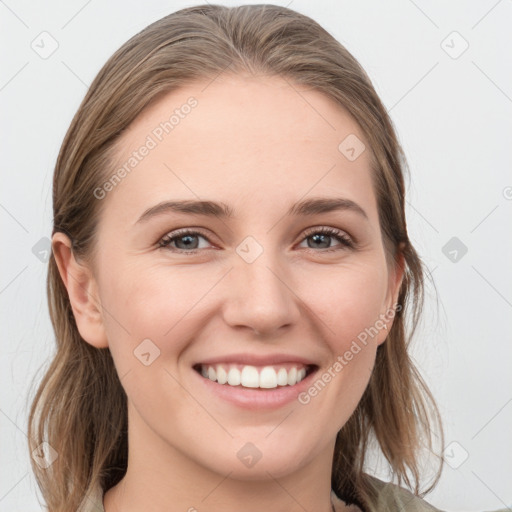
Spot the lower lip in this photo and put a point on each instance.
(257, 398)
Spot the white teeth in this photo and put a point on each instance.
(249, 376)
(292, 376)
(282, 377)
(222, 376)
(268, 378)
(233, 377)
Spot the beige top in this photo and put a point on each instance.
(391, 498)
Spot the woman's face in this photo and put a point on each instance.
(262, 287)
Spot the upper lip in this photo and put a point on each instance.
(257, 360)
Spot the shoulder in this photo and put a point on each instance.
(93, 500)
(392, 497)
(392, 494)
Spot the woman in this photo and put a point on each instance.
(210, 355)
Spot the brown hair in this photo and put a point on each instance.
(80, 406)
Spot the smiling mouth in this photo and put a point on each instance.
(255, 377)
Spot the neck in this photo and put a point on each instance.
(160, 477)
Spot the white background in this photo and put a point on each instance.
(453, 117)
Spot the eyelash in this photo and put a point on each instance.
(345, 241)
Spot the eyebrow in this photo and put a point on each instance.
(304, 208)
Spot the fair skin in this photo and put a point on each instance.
(258, 146)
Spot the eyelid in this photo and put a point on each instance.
(176, 233)
(345, 240)
(333, 231)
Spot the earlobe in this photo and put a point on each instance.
(82, 292)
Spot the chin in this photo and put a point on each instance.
(262, 458)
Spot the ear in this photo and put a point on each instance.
(396, 275)
(82, 291)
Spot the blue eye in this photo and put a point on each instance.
(187, 241)
(320, 235)
(186, 238)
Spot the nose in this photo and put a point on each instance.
(260, 296)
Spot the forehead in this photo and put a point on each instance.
(243, 140)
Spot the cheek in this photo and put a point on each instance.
(348, 300)
(157, 303)
(348, 305)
